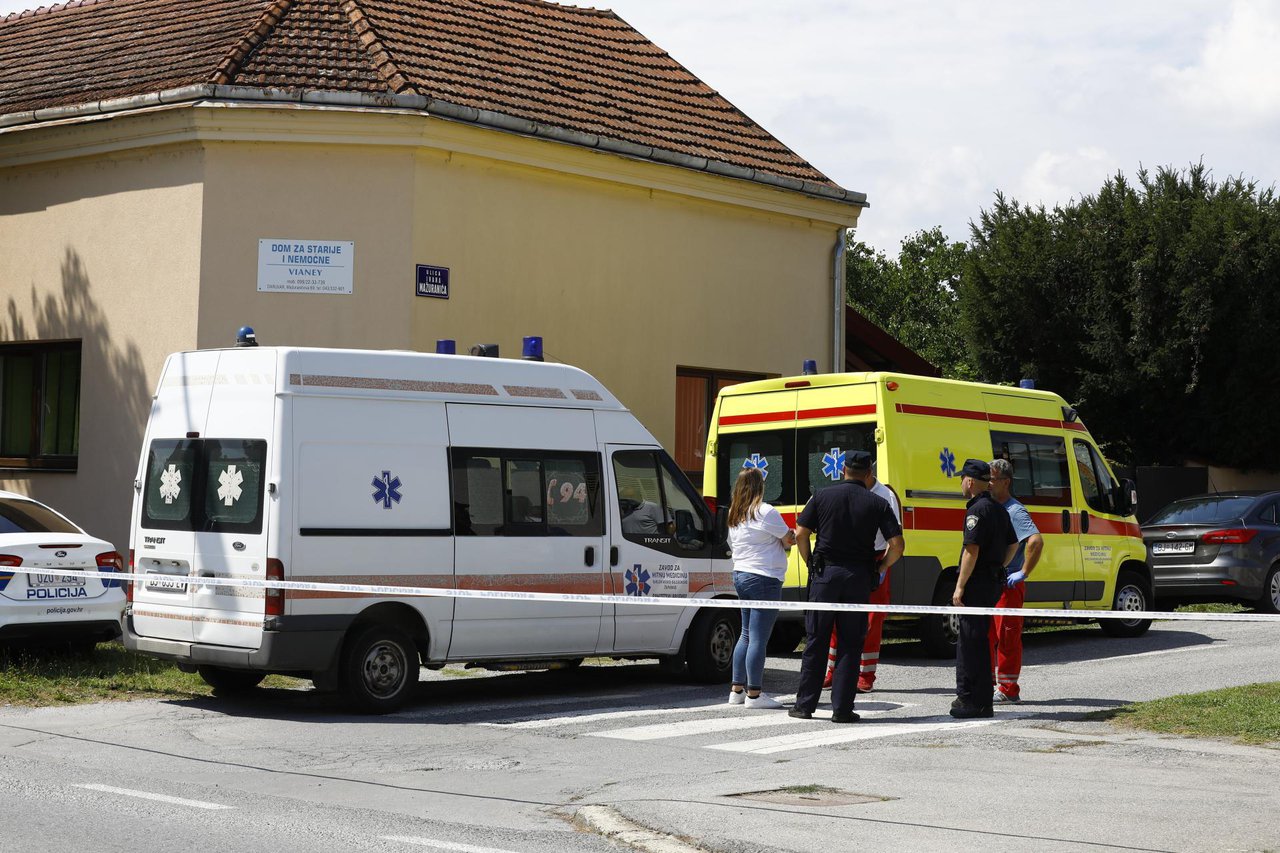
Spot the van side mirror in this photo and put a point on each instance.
(1126, 497)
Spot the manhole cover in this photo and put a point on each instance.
(810, 795)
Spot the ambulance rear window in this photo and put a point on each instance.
(771, 451)
(824, 450)
(213, 485)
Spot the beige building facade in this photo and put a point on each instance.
(138, 236)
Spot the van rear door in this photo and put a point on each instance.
(164, 545)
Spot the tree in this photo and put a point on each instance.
(1151, 305)
(914, 298)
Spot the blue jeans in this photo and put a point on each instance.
(757, 625)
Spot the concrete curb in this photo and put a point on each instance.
(607, 822)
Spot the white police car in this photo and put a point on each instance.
(49, 604)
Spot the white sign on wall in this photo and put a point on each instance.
(305, 266)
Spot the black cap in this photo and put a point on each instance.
(977, 469)
(857, 460)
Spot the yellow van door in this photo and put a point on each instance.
(1101, 529)
(1027, 432)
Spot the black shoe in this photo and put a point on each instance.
(968, 712)
(799, 714)
(851, 717)
(957, 703)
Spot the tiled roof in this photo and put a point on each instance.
(582, 70)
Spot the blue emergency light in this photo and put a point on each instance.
(532, 348)
(245, 337)
(1029, 384)
(810, 367)
(446, 346)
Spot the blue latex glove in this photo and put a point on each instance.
(1015, 579)
(882, 574)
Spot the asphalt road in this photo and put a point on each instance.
(500, 763)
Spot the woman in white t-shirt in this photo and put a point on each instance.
(759, 539)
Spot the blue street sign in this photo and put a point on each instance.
(433, 281)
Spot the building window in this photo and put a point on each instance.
(696, 391)
(40, 405)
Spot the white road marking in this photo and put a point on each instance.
(1199, 648)
(487, 708)
(844, 734)
(548, 721)
(737, 719)
(443, 845)
(163, 798)
(697, 727)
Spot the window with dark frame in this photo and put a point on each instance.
(696, 391)
(507, 492)
(1041, 474)
(40, 405)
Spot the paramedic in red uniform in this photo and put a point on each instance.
(1006, 631)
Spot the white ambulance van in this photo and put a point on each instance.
(407, 469)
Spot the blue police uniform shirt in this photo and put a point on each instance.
(1023, 527)
(986, 524)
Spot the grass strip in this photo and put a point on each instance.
(38, 677)
(1248, 714)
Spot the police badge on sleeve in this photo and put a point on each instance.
(971, 522)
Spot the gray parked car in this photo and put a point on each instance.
(1221, 547)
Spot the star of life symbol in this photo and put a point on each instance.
(948, 460)
(229, 492)
(755, 460)
(833, 464)
(637, 580)
(386, 489)
(169, 480)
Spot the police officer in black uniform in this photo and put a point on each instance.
(989, 545)
(842, 568)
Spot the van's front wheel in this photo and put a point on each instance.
(379, 669)
(1133, 595)
(709, 645)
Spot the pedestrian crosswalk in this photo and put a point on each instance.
(699, 725)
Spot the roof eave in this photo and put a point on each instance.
(432, 107)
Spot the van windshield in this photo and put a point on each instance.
(212, 485)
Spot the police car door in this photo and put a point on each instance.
(660, 535)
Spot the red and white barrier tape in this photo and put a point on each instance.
(388, 591)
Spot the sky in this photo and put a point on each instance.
(931, 107)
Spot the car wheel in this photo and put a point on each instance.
(225, 680)
(709, 645)
(1270, 601)
(379, 669)
(940, 633)
(1132, 594)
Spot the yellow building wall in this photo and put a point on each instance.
(627, 269)
(140, 236)
(103, 249)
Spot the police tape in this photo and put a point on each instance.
(390, 591)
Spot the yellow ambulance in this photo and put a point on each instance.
(920, 430)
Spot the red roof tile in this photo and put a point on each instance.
(582, 70)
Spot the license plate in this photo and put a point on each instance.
(167, 582)
(1172, 547)
(55, 580)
